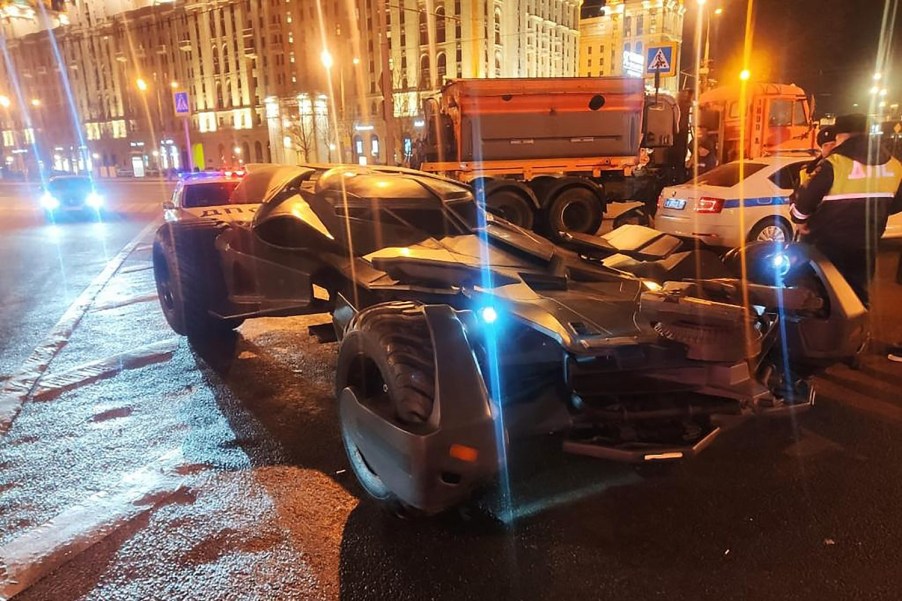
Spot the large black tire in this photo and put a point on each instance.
(575, 209)
(392, 338)
(512, 206)
(189, 279)
(386, 356)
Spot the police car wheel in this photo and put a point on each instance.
(771, 230)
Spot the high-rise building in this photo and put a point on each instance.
(282, 80)
(615, 36)
(430, 41)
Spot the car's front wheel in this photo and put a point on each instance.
(386, 357)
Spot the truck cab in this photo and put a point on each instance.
(778, 118)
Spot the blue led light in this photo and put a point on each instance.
(781, 263)
(488, 314)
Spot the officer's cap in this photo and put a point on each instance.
(826, 135)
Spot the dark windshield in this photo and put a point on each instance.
(80, 185)
(208, 195)
(727, 176)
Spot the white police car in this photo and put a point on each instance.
(709, 207)
(207, 195)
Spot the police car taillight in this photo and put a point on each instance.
(707, 204)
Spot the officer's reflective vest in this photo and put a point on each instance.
(854, 211)
(854, 180)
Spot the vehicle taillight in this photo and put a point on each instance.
(706, 204)
(660, 200)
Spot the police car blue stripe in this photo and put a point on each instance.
(757, 202)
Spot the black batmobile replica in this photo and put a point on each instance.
(459, 331)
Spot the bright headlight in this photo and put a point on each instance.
(94, 200)
(49, 202)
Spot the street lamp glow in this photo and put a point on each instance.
(718, 11)
(356, 61)
(237, 150)
(326, 57)
(883, 92)
(745, 74)
(142, 85)
(36, 102)
(874, 90)
(701, 2)
(174, 84)
(4, 102)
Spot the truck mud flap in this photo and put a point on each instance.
(643, 454)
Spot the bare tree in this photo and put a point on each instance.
(302, 132)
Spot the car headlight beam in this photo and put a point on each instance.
(94, 200)
(49, 202)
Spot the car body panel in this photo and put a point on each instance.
(754, 199)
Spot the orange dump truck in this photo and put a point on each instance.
(550, 152)
(777, 119)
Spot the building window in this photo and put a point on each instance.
(440, 37)
(639, 24)
(425, 78)
(497, 26)
(442, 67)
(424, 29)
(627, 26)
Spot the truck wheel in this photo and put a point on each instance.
(189, 279)
(510, 206)
(575, 209)
(771, 229)
(386, 355)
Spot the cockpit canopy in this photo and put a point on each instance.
(356, 209)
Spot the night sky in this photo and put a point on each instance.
(829, 47)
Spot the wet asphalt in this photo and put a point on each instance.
(266, 509)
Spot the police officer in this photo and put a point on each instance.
(842, 209)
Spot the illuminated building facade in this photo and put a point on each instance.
(623, 30)
(268, 80)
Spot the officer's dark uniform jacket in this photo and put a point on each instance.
(846, 203)
(850, 195)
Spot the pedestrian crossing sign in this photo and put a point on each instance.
(182, 107)
(661, 60)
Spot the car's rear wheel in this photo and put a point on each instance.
(772, 229)
(189, 279)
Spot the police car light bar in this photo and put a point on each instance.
(201, 175)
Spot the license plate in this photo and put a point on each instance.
(675, 203)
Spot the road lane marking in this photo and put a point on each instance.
(32, 556)
(53, 385)
(142, 298)
(16, 390)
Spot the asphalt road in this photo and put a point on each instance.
(179, 472)
(44, 267)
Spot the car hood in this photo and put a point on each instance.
(584, 313)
